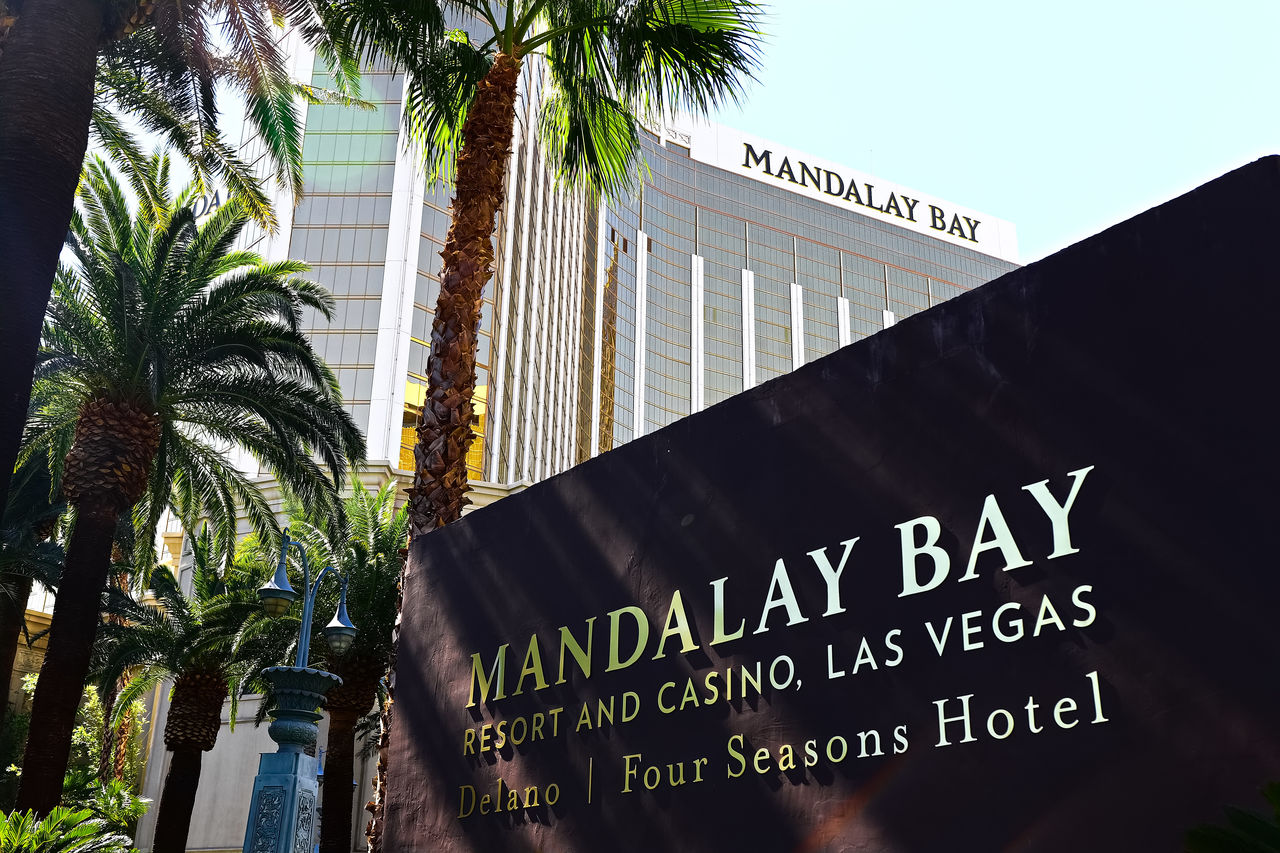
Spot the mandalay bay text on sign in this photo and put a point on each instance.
(615, 641)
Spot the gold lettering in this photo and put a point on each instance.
(497, 673)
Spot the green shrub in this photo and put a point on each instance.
(62, 831)
(1245, 832)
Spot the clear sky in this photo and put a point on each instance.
(1063, 118)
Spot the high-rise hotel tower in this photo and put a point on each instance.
(737, 260)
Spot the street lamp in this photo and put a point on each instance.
(282, 814)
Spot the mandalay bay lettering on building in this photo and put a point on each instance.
(886, 201)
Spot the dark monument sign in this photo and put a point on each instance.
(1003, 577)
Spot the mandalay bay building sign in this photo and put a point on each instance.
(983, 581)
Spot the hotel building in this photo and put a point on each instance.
(736, 260)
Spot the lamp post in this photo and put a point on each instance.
(282, 812)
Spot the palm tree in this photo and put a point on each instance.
(49, 52)
(27, 553)
(609, 64)
(164, 348)
(190, 639)
(366, 544)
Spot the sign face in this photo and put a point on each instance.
(999, 577)
(880, 200)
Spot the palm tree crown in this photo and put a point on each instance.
(191, 639)
(162, 316)
(164, 349)
(609, 65)
(367, 545)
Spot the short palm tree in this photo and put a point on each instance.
(366, 544)
(609, 64)
(190, 639)
(163, 349)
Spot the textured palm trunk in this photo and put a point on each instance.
(177, 801)
(46, 77)
(66, 661)
(439, 490)
(104, 474)
(345, 704)
(106, 757)
(444, 430)
(120, 761)
(195, 718)
(14, 592)
(111, 738)
(339, 776)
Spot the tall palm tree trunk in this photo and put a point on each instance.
(66, 661)
(104, 474)
(14, 592)
(177, 801)
(46, 76)
(108, 735)
(439, 490)
(195, 718)
(111, 738)
(339, 778)
(444, 431)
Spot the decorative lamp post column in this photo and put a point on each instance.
(282, 813)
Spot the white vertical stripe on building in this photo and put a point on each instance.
(596, 357)
(553, 378)
(395, 309)
(842, 321)
(748, 329)
(548, 350)
(577, 307)
(797, 326)
(889, 319)
(641, 337)
(498, 357)
(697, 344)
(539, 277)
(522, 300)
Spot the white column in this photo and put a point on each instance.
(511, 403)
(748, 329)
(889, 319)
(797, 326)
(843, 323)
(538, 278)
(395, 310)
(498, 361)
(642, 317)
(598, 353)
(697, 342)
(578, 275)
(548, 349)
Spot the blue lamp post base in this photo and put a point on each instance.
(282, 813)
